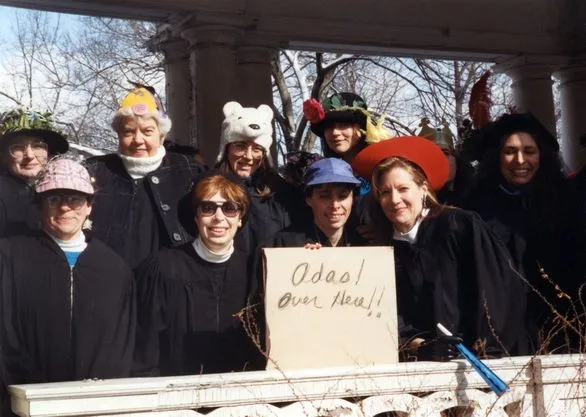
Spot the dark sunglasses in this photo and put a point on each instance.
(229, 208)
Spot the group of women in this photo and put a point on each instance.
(159, 284)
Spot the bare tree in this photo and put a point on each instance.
(78, 74)
(297, 77)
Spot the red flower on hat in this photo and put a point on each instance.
(313, 111)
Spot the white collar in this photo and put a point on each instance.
(210, 256)
(77, 244)
(411, 235)
(138, 168)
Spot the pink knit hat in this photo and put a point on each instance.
(64, 174)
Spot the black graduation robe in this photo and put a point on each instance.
(187, 309)
(60, 323)
(458, 273)
(533, 246)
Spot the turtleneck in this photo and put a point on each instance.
(72, 248)
(411, 235)
(208, 255)
(138, 168)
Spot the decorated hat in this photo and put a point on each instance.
(442, 137)
(246, 124)
(417, 150)
(64, 174)
(25, 122)
(330, 171)
(296, 165)
(339, 107)
(141, 101)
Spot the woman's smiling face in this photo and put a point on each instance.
(519, 158)
(401, 199)
(331, 205)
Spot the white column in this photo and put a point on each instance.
(213, 72)
(532, 92)
(573, 108)
(178, 89)
(254, 85)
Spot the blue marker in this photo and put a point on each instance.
(497, 385)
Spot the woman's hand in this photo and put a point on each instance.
(312, 246)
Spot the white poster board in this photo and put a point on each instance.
(330, 307)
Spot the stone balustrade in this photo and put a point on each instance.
(540, 386)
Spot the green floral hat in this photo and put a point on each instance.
(339, 107)
(25, 122)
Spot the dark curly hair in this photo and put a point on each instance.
(546, 194)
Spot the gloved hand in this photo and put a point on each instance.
(441, 349)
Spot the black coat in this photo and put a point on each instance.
(18, 212)
(266, 216)
(187, 308)
(533, 245)
(298, 236)
(61, 323)
(458, 273)
(138, 217)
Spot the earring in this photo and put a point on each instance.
(424, 202)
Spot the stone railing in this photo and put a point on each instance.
(544, 386)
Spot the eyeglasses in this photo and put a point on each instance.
(240, 148)
(18, 150)
(229, 208)
(72, 201)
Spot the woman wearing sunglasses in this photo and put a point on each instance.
(28, 140)
(189, 296)
(68, 311)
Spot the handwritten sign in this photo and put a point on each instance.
(330, 307)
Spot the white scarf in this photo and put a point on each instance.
(137, 168)
(411, 235)
(77, 244)
(210, 256)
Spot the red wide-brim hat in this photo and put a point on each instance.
(420, 151)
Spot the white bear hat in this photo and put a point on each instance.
(246, 124)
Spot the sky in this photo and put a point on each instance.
(8, 18)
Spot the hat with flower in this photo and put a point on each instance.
(142, 101)
(339, 107)
(345, 108)
(27, 122)
(64, 174)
